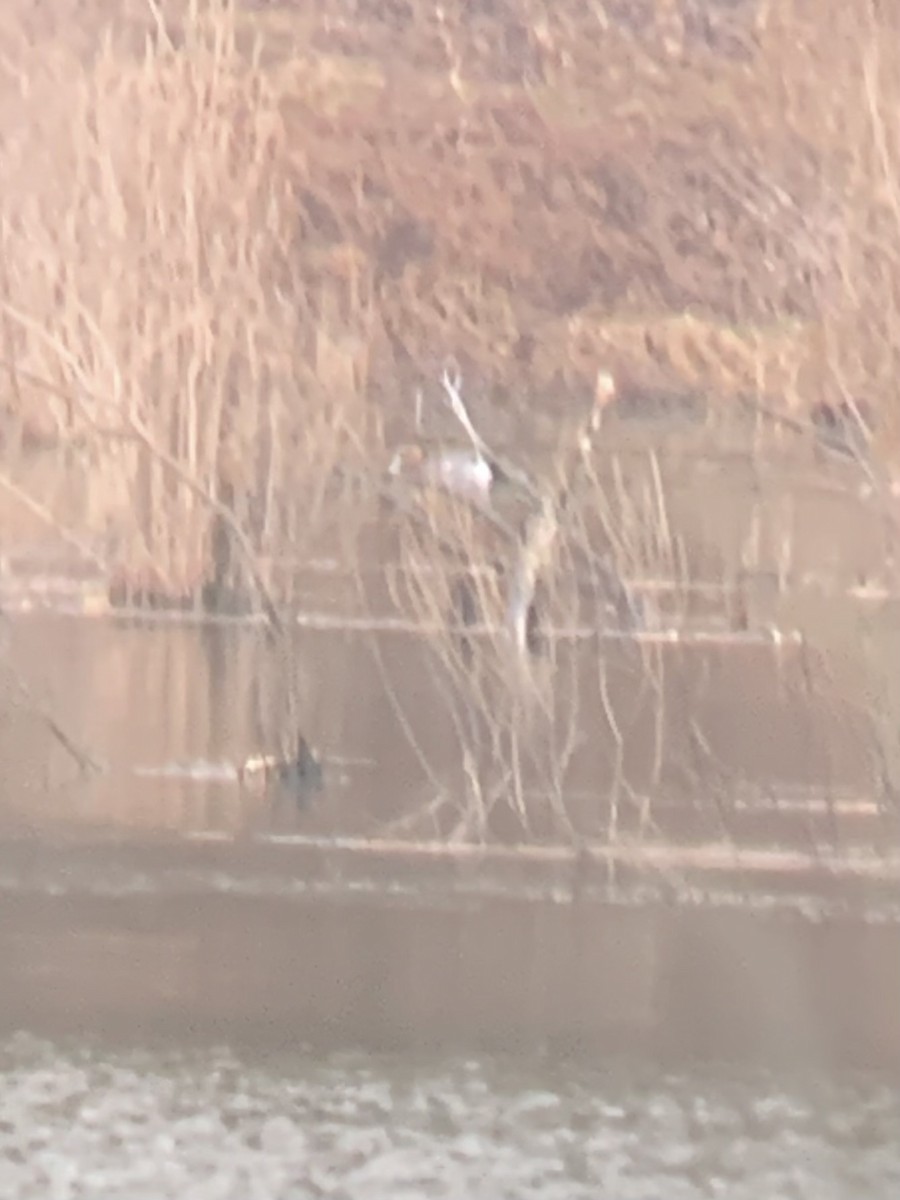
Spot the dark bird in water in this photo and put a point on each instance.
(846, 427)
(299, 776)
(302, 775)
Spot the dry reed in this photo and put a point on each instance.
(168, 313)
(153, 281)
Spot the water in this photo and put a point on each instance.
(422, 738)
(172, 711)
(95, 1123)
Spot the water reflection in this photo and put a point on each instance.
(84, 1120)
(174, 711)
(619, 734)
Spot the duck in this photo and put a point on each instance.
(301, 774)
(845, 427)
(465, 473)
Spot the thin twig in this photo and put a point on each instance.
(452, 388)
(86, 761)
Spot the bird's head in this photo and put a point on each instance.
(604, 389)
(406, 458)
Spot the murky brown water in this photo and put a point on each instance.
(756, 740)
(619, 732)
(665, 740)
(94, 1123)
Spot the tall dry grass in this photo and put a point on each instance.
(156, 298)
(832, 73)
(165, 312)
(510, 602)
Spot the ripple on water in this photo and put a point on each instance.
(80, 1121)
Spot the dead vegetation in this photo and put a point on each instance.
(159, 313)
(235, 239)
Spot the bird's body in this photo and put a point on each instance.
(301, 775)
(461, 472)
(465, 473)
